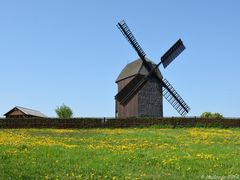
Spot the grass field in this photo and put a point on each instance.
(141, 153)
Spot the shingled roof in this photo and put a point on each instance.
(134, 68)
(27, 111)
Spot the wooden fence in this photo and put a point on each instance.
(116, 123)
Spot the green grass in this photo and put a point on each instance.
(144, 153)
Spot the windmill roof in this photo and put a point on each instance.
(134, 68)
(27, 111)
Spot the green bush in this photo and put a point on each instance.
(211, 115)
(64, 111)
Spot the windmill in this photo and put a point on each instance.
(141, 85)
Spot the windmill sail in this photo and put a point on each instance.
(174, 98)
(123, 27)
(132, 88)
(172, 53)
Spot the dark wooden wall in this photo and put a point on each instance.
(146, 103)
(150, 100)
(131, 109)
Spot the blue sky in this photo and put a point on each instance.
(59, 51)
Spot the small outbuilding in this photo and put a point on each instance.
(21, 112)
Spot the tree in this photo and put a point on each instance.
(211, 115)
(64, 111)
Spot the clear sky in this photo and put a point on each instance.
(61, 51)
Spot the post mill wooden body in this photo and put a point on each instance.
(141, 85)
(148, 101)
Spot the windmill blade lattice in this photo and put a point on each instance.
(174, 98)
(123, 27)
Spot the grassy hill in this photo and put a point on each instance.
(144, 153)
